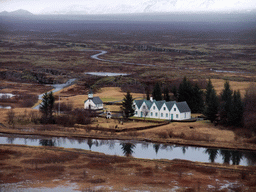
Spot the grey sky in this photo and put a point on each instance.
(125, 6)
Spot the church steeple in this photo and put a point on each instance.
(90, 94)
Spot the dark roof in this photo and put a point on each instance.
(183, 107)
(97, 100)
(159, 104)
(170, 104)
(138, 103)
(148, 103)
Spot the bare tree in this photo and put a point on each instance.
(145, 111)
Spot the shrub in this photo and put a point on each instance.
(163, 135)
(64, 107)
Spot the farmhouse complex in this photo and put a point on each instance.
(171, 110)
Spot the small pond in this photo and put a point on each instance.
(140, 149)
(6, 95)
(5, 107)
(106, 74)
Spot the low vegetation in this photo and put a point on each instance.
(31, 61)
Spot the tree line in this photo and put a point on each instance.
(228, 108)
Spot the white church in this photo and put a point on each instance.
(94, 103)
(171, 110)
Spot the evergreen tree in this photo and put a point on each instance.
(157, 93)
(127, 106)
(185, 91)
(46, 107)
(175, 92)
(236, 110)
(147, 93)
(209, 89)
(166, 94)
(226, 104)
(197, 99)
(249, 120)
(211, 102)
(51, 101)
(193, 95)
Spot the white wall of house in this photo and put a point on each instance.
(175, 113)
(154, 112)
(89, 103)
(163, 113)
(186, 115)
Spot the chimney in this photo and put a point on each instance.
(151, 99)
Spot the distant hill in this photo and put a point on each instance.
(19, 12)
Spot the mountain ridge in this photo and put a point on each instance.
(19, 12)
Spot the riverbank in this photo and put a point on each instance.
(90, 171)
(165, 134)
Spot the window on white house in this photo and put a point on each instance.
(156, 114)
(166, 115)
(164, 108)
(136, 112)
(185, 115)
(177, 116)
(162, 114)
(154, 107)
(174, 109)
(151, 114)
(144, 107)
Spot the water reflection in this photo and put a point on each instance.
(89, 143)
(212, 154)
(141, 149)
(10, 140)
(226, 155)
(47, 142)
(236, 157)
(156, 147)
(128, 149)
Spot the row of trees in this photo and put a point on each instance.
(228, 108)
(188, 92)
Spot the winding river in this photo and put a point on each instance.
(102, 52)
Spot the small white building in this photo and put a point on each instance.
(171, 110)
(94, 103)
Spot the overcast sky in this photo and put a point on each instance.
(125, 6)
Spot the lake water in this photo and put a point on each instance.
(106, 74)
(140, 149)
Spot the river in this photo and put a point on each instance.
(137, 149)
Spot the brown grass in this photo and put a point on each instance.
(90, 169)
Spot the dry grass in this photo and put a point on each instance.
(235, 85)
(88, 170)
(201, 131)
(112, 123)
(107, 94)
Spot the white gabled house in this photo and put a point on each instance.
(94, 103)
(171, 110)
